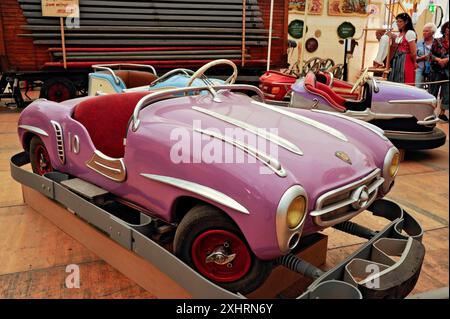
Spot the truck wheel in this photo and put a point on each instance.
(39, 157)
(212, 244)
(58, 90)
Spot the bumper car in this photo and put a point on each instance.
(120, 78)
(227, 226)
(405, 113)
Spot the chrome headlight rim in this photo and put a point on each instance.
(284, 233)
(390, 155)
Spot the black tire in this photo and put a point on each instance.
(412, 142)
(36, 145)
(203, 218)
(58, 90)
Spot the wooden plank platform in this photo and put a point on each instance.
(35, 253)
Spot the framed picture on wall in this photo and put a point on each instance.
(348, 7)
(315, 7)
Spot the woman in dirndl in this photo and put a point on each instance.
(403, 62)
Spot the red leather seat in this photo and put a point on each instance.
(324, 91)
(106, 119)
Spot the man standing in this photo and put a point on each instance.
(423, 70)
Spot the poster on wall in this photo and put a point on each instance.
(60, 8)
(348, 7)
(315, 7)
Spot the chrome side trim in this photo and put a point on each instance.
(204, 191)
(284, 234)
(354, 188)
(112, 168)
(253, 129)
(368, 126)
(323, 127)
(432, 101)
(367, 115)
(267, 160)
(34, 129)
(406, 133)
(59, 141)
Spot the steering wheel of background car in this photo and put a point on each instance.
(200, 72)
(361, 80)
(312, 65)
(326, 64)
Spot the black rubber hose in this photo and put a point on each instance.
(302, 267)
(355, 229)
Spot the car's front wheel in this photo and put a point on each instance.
(211, 243)
(39, 157)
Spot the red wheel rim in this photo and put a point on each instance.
(42, 160)
(212, 240)
(58, 92)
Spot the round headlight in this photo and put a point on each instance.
(296, 212)
(395, 163)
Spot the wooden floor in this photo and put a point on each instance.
(34, 253)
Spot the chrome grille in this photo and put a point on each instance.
(59, 141)
(345, 202)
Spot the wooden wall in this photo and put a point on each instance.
(28, 36)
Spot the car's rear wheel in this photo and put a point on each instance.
(211, 243)
(39, 157)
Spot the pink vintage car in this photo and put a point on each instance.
(231, 219)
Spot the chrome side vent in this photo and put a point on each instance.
(59, 141)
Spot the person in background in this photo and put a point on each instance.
(423, 71)
(405, 51)
(383, 48)
(439, 70)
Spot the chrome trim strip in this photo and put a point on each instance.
(204, 191)
(59, 141)
(352, 187)
(388, 133)
(253, 129)
(115, 172)
(107, 167)
(267, 160)
(284, 234)
(34, 129)
(371, 127)
(431, 101)
(318, 125)
(367, 115)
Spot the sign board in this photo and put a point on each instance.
(295, 29)
(346, 30)
(60, 8)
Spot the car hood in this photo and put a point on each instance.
(399, 91)
(312, 161)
